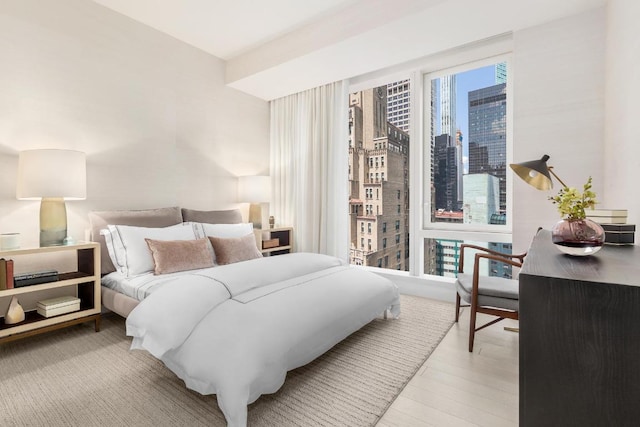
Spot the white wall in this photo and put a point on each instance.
(622, 121)
(558, 110)
(158, 124)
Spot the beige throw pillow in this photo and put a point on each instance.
(170, 256)
(235, 249)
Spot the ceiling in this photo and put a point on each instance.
(273, 48)
(225, 28)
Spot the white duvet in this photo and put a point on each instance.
(236, 330)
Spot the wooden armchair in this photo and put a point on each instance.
(496, 296)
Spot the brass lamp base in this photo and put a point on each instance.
(53, 221)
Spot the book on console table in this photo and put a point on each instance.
(607, 216)
(28, 279)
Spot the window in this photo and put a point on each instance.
(369, 228)
(465, 144)
(444, 258)
(384, 132)
(384, 243)
(466, 149)
(386, 261)
(379, 262)
(362, 227)
(369, 244)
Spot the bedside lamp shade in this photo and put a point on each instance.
(254, 189)
(257, 191)
(52, 176)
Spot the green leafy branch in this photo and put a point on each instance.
(571, 203)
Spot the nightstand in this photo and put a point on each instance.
(83, 282)
(274, 241)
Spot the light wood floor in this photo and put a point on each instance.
(458, 388)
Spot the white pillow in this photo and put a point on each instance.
(222, 230)
(129, 251)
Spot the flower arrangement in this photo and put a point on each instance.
(571, 203)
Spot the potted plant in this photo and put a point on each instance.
(575, 234)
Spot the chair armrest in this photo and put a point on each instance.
(502, 255)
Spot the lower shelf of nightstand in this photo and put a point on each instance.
(33, 318)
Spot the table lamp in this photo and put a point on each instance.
(52, 176)
(256, 190)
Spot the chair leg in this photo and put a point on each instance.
(472, 325)
(457, 306)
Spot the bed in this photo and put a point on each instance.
(235, 330)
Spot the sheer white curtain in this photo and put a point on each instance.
(309, 168)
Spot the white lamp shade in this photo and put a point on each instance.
(52, 173)
(254, 189)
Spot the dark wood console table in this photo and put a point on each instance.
(579, 337)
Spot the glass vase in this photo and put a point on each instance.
(579, 237)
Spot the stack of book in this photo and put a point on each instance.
(56, 306)
(6, 274)
(36, 278)
(614, 223)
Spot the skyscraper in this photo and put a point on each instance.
(398, 107)
(448, 105)
(445, 173)
(488, 134)
(501, 72)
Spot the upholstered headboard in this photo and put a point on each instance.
(161, 217)
(231, 216)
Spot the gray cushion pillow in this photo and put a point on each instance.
(156, 218)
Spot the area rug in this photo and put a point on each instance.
(75, 377)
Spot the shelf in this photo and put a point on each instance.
(48, 249)
(276, 249)
(85, 282)
(31, 317)
(66, 279)
(284, 236)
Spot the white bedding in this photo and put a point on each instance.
(236, 330)
(141, 286)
